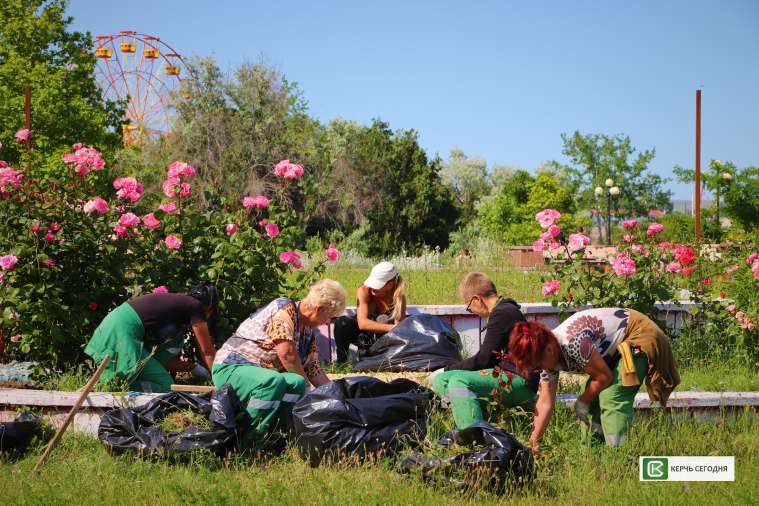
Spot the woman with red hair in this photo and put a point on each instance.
(616, 347)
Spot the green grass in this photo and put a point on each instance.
(80, 471)
(718, 376)
(442, 286)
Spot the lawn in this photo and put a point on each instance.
(442, 286)
(82, 472)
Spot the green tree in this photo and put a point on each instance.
(469, 180)
(596, 158)
(38, 50)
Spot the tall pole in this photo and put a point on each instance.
(697, 203)
(28, 111)
(608, 217)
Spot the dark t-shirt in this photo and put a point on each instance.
(167, 316)
(497, 332)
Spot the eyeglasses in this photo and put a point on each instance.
(468, 306)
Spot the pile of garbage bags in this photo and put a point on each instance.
(419, 343)
(360, 416)
(127, 429)
(498, 460)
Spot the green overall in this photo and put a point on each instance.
(469, 393)
(268, 395)
(612, 412)
(120, 335)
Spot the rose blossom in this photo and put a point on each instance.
(332, 253)
(150, 221)
(231, 229)
(8, 262)
(674, 267)
(169, 208)
(160, 289)
(547, 217)
(623, 265)
(550, 287)
(272, 230)
(577, 241)
(654, 228)
(172, 242)
(290, 257)
(129, 220)
(630, 223)
(96, 205)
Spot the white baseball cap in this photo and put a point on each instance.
(380, 275)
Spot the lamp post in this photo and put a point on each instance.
(611, 191)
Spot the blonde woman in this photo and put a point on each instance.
(380, 306)
(273, 354)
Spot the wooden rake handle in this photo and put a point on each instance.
(75, 408)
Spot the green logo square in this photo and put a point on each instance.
(655, 468)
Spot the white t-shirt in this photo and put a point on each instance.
(600, 329)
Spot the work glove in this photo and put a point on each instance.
(201, 372)
(432, 375)
(582, 411)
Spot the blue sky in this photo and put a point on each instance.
(500, 80)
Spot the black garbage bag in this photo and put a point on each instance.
(419, 343)
(360, 416)
(500, 461)
(123, 429)
(15, 436)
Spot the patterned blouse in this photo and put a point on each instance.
(600, 329)
(254, 340)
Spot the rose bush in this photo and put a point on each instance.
(71, 250)
(722, 281)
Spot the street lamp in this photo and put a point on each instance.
(611, 191)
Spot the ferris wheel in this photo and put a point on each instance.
(145, 72)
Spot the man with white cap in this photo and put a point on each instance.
(380, 305)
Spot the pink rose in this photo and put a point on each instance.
(684, 254)
(8, 262)
(160, 289)
(84, 159)
(35, 228)
(663, 246)
(687, 271)
(258, 201)
(231, 229)
(180, 169)
(577, 241)
(281, 168)
(272, 230)
(49, 237)
(55, 226)
(184, 190)
(9, 178)
(172, 242)
(128, 188)
(333, 254)
(129, 220)
(547, 217)
(550, 287)
(639, 249)
(263, 222)
(706, 281)
(623, 265)
(630, 223)
(96, 205)
(49, 262)
(2, 277)
(121, 231)
(150, 221)
(654, 228)
(290, 257)
(169, 208)
(553, 231)
(294, 171)
(16, 338)
(753, 257)
(627, 238)
(23, 135)
(538, 246)
(170, 187)
(674, 267)
(93, 306)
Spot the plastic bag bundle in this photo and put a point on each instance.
(499, 460)
(15, 436)
(359, 416)
(124, 429)
(419, 343)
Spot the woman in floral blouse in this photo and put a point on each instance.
(617, 348)
(273, 354)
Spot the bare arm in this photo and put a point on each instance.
(203, 337)
(600, 377)
(288, 355)
(362, 315)
(543, 410)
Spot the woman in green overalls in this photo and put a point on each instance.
(380, 306)
(143, 338)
